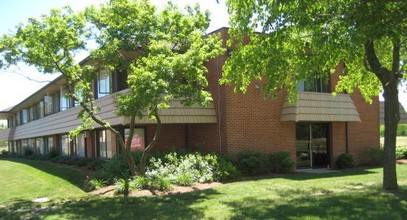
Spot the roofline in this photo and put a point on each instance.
(217, 30)
(35, 93)
(82, 62)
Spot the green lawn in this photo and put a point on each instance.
(401, 141)
(23, 180)
(351, 194)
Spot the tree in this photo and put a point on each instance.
(170, 49)
(295, 38)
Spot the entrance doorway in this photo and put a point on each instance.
(312, 145)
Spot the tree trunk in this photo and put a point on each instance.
(391, 119)
(146, 152)
(389, 80)
(126, 147)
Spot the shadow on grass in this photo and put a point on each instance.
(362, 204)
(371, 204)
(72, 175)
(97, 207)
(360, 171)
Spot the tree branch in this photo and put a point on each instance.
(396, 57)
(376, 67)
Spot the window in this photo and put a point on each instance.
(80, 144)
(48, 104)
(64, 101)
(313, 85)
(39, 110)
(56, 101)
(10, 122)
(104, 84)
(138, 142)
(39, 146)
(24, 116)
(50, 144)
(64, 145)
(24, 145)
(31, 144)
(104, 144)
(17, 118)
(32, 113)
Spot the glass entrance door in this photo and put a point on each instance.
(312, 144)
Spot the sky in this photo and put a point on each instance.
(19, 82)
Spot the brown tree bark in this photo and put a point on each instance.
(389, 80)
(146, 152)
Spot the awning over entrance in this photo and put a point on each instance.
(320, 107)
(403, 114)
(178, 113)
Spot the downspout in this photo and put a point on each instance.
(219, 106)
(346, 138)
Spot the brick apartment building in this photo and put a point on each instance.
(314, 130)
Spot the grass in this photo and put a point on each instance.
(22, 180)
(350, 194)
(401, 141)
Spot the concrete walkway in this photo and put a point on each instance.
(317, 170)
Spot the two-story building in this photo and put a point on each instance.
(314, 130)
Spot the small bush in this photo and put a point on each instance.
(401, 152)
(93, 184)
(375, 156)
(251, 162)
(114, 168)
(122, 186)
(159, 182)
(345, 161)
(225, 170)
(95, 164)
(28, 152)
(280, 162)
(53, 153)
(138, 182)
(184, 179)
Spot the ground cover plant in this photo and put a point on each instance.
(347, 194)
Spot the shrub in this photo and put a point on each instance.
(345, 161)
(138, 182)
(93, 184)
(158, 181)
(184, 179)
(28, 152)
(95, 164)
(401, 152)
(280, 162)
(123, 186)
(375, 156)
(251, 162)
(53, 153)
(225, 170)
(187, 169)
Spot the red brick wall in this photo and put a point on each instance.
(338, 140)
(361, 135)
(172, 136)
(253, 122)
(364, 134)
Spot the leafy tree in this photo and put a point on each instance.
(296, 38)
(162, 51)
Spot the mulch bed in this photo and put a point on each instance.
(109, 190)
(403, 161)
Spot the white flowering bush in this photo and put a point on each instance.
(190, 168)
